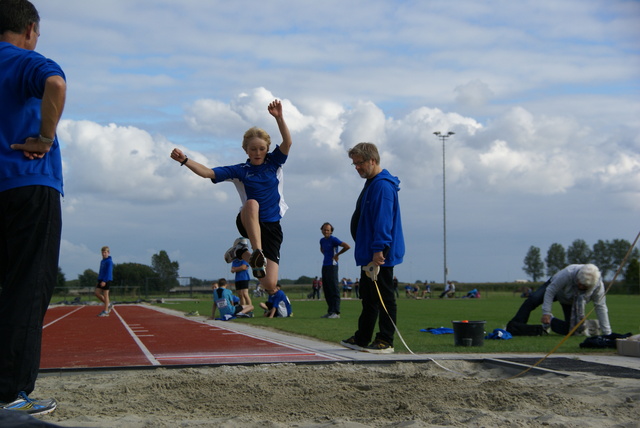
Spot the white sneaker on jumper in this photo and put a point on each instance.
(238, 244)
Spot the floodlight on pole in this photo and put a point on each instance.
(443, 137)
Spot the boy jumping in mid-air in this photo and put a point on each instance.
(259, 184)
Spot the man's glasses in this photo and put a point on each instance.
(359, 163)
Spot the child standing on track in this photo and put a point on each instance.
(105, 276)
(259, 184)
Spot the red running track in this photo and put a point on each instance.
(136, 335)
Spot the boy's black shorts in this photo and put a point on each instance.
(271, 234)
(107, 284)
(242, 285)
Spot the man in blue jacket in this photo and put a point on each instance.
(376, 228)
(32, 97)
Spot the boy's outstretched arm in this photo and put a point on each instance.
(199, 169)
(275, 109)
(213, 311)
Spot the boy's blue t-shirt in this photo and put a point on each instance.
(223, 299)
(329, 248)
(260, 182)
(280, 301)
(242, 275)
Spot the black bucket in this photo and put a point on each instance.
(468, 333)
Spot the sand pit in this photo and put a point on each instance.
(339, 395)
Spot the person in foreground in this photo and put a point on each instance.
(376, 228)
(105, 277)
(259, 184)
(573, 287)
(32, 94)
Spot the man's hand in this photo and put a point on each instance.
(33, 148)
(378, 258)
(546, 319)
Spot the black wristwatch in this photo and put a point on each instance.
(45, 139)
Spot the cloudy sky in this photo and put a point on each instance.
(543, 97)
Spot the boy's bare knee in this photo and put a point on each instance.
(268, 285)
(251, 205)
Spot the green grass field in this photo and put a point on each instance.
(496, 309)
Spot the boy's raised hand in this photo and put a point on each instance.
(275, 108)
(177, 155)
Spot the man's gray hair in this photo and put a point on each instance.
(589, 276)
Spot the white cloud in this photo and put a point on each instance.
(123, 162)
(507, 171)
(473, 94)
(79, 255)
(364, 123)
(213, 117)
(622, 174)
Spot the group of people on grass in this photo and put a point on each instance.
(412, 291)
(231, 306)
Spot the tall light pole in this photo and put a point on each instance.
(443, 137)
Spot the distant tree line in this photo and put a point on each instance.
(607, 255)
(161, 276)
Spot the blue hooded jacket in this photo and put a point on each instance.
(379, 226)
(106, 270)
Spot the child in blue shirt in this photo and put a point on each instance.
(277, 305)
(241, 268)
(259, 184)
(224, 301)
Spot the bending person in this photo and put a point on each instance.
(572, 287)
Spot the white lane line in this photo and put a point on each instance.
(210, 356)
(62, 317)
(143, 348)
